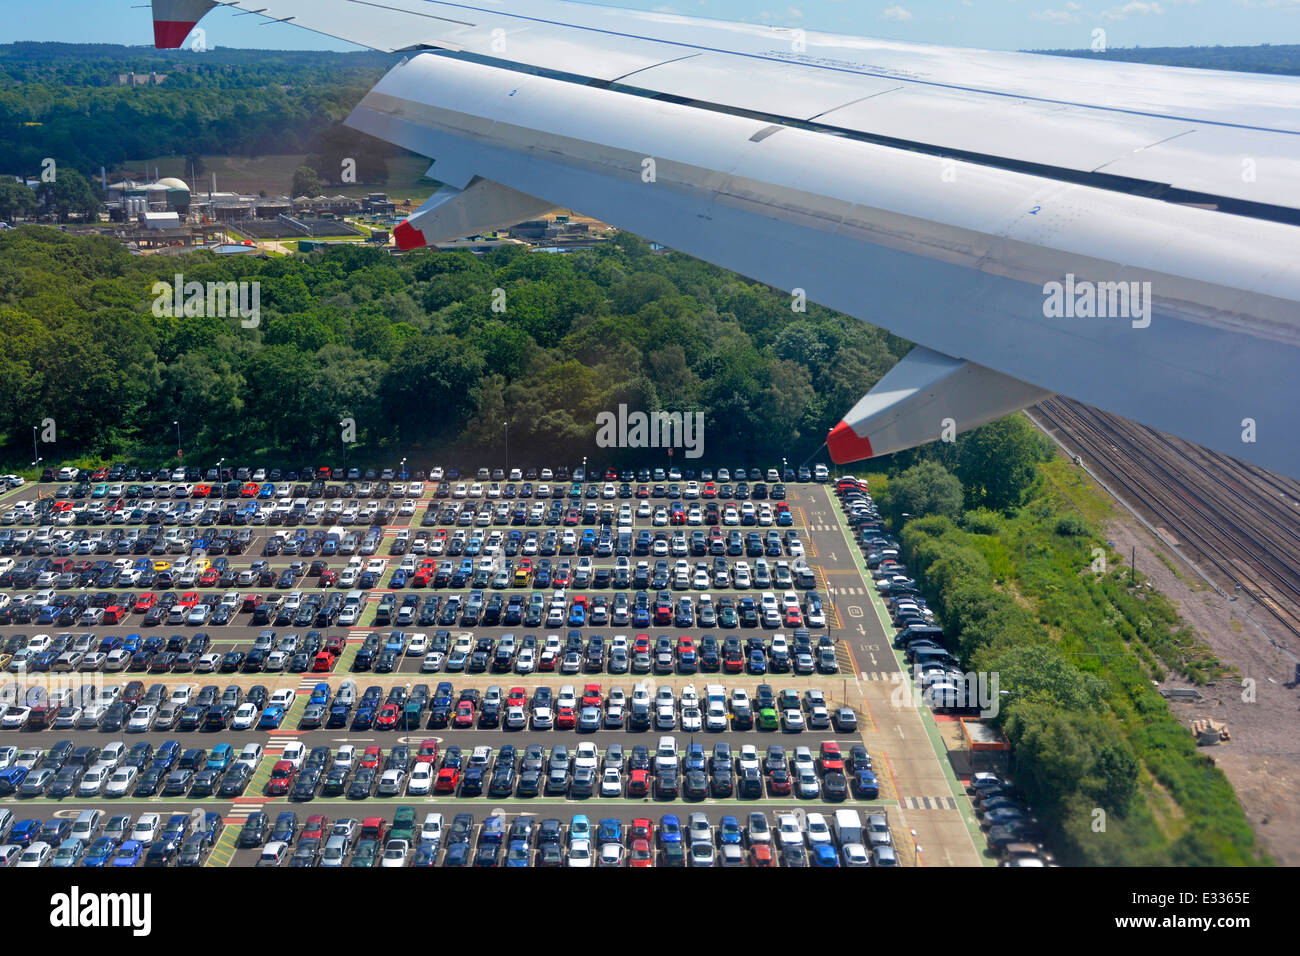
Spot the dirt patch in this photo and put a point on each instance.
(1262, 760)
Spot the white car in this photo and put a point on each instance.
(7, 757)
(38, 854)
(788, 831)
(586, 755)
(715, 720)
(431, 830)
(749, 759)
(294, 753)
(345, 757)
(818, 829)
(121, 782)
(543, 719)
(15, 718)
(421, 779)
(145, 830)
(92, 782)
(142, 719)
(418, 646)
(285, 697)
(394, 853)
(692, 721)
(182, 695)
(250, 756)
(611, 783)
(245, 716)
(579, 854)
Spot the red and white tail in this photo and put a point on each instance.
(174, 19)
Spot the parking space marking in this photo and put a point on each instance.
(223, 854)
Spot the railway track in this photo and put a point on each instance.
(1243, 521)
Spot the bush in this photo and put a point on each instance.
(1071, 525)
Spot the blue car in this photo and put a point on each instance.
(425, 855)
(864, 781)
(824, 855)
(609, 830)
(694, 758)
(494, 828)
(220, 757)
(518, 854)
(69, 853)
(457, 855)
(271, 717)
(100, 852)
(320, 694)
(128, 854)
(729, 831)
(579, 828)
(670, 829)
(12, 779)
(365, 717)
(577, 616)
(266, 491)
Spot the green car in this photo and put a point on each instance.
(403, 825)
(768, 719)
(367, 852)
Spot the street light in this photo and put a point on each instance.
(506, 426)
(35, 453)
(344, 442)
(178, 439)
(584, 467)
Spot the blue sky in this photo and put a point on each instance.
(994, 24)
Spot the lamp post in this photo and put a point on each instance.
(36, 455)
(220, 462)
(783, 467)
(178, 439)
(506, 431)
(343, 441)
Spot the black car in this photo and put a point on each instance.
(255, 829)
(235, 781)
(146, 785)
(336, 782)
(205, 783)
(835, 786)
(363, 784)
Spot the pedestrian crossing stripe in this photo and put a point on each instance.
(928, 803)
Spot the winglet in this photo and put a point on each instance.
(174, 19)
(846, 445)
(407, 236)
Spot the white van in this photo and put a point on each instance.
(848, 827)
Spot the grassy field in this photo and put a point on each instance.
(274, 175)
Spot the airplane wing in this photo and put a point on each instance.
(1127, 235)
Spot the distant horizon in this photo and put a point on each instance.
(986, 24)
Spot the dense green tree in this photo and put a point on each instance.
(927, 488)
(16, 200)
(305, 182)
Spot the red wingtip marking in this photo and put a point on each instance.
(170, 34)
(846, 445)
(407, 236)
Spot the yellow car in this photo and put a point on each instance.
(4, 660)
(162, 565)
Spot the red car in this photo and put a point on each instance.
(638, 784)
(315, 828)
(335, 644)
(386, 719)
(251, 601)
(189, 599)
(448, 780)
(547, 661)
(371, 757)
(328, 578)
(145, 601)
(250, 490)
(464, 715)
(831, 758)
(565, 719)
(324, 661)
(374, 828)
(793, 617)
(733, 662)
(517, 697)
(642, 828)
(113, 614)
(591, 696)
(428, 752)
(209, 578)
(641, 855)
(761, 855)
(282, 775)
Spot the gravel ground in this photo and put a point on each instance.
(1262, 760)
